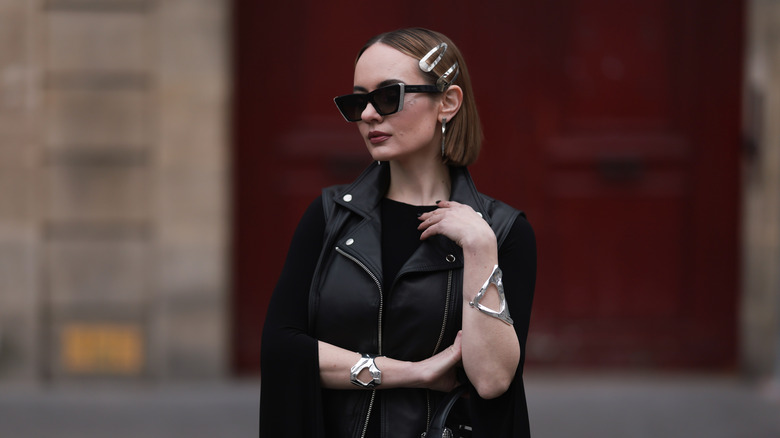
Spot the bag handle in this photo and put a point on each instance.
(438, 429)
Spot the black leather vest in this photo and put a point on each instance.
(347, 306)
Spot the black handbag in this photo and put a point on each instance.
(451, 418)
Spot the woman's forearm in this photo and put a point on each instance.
(336, 364)
(437, 372)
(491, 350)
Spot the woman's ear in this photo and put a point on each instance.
(450, 102)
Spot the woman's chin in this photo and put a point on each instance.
(379, 153)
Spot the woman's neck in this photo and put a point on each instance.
(419, 185)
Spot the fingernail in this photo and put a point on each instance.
(419, 214)
(438, 201)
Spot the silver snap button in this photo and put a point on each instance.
(350, 242)
(347, 198)
(450, 258)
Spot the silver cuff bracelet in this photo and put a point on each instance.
(503, 311)
(366, 361)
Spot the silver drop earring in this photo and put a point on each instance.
(443, 132)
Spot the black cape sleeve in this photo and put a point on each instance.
(290, 400)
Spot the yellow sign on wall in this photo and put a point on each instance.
(102, 348)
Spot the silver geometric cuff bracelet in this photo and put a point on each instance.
(503, 311)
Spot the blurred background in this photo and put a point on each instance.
(155, 156)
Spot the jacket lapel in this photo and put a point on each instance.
(363, 242)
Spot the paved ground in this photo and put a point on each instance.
(652, 406)
(560, 406)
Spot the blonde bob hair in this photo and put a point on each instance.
(463, 139)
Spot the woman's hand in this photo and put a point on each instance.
(460, 223)
(438, 372)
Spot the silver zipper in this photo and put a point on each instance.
(438, 343)
(381, 309)
(446, 312)
(368, 417)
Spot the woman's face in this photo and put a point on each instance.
(410, 134)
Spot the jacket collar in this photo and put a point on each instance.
(365, 193)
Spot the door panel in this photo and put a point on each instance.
(627, 168)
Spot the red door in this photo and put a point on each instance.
(614, 124)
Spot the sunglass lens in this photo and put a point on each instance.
(386, 99)
(352, 106)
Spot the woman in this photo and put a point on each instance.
(391, 294)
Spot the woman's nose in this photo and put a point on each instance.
(370, 113)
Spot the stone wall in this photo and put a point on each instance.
(113, 189)
(20, 178)
(761, 209)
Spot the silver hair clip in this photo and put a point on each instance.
(424, 66)
(444, 81)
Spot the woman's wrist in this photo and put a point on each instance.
(399, 373)
(480, 245)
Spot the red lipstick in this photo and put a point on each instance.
(376, 137)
